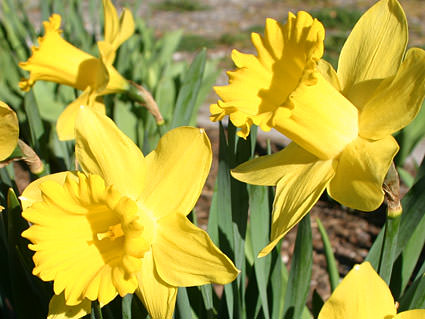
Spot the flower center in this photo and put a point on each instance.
(113, 232)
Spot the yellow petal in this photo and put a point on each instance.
(184, 255)
(102, 149)
(59, 310)
(318, 118)
(304, 177)
(361, 294)
(176, 171)
(108, 80)
(32, 192)
(59, 61)
(158, 297)
(265, 170)
(361, 171)
(65, 125)
(263, 83)
(9, 131)
(411, 314)
(328, 72)
(117, 30)
(375, 47)
(397, 100)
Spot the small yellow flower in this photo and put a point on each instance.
(120, 226)
(363, 294)
(341, 122)
(59, 61)
(9, 131)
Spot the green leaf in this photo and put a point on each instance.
(96, 312)
(125, 119)
(29, 298)
(330, 258)
(220, 217)
(406, 177)
(189, 90)
(49, 108)
(406, 262)
(259, 237)
(389, 248)
(414, 298)
(300, 274)
(183, 308)
(38, 134)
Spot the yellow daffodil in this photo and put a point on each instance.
(340, 122)
(363, 294)
(59, 61)
(120, 226)
(9, 131)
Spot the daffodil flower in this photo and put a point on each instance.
(363, 294)
(120, 226)
(340, 122)
(57, 60)
(9, 131)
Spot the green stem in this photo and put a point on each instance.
(389, 248)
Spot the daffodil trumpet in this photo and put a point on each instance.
(57, 60)
(341, 122)
(120, 225)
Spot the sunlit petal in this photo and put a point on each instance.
(176, 171)
(397, 100)
(304, 178)
(361, 171)
(117, 30)
(158, 297)
(375, 47)
(184, 255)
(361, 294)
(65, 125)
(102, 149)
(32, 192)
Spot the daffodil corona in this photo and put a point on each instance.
(120, 226)
(57, 60)
(340, 122)
(9, 131)
(363, 294)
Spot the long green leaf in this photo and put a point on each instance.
(189, 90)
(259, 230)
(300, 274)
(330, 258)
